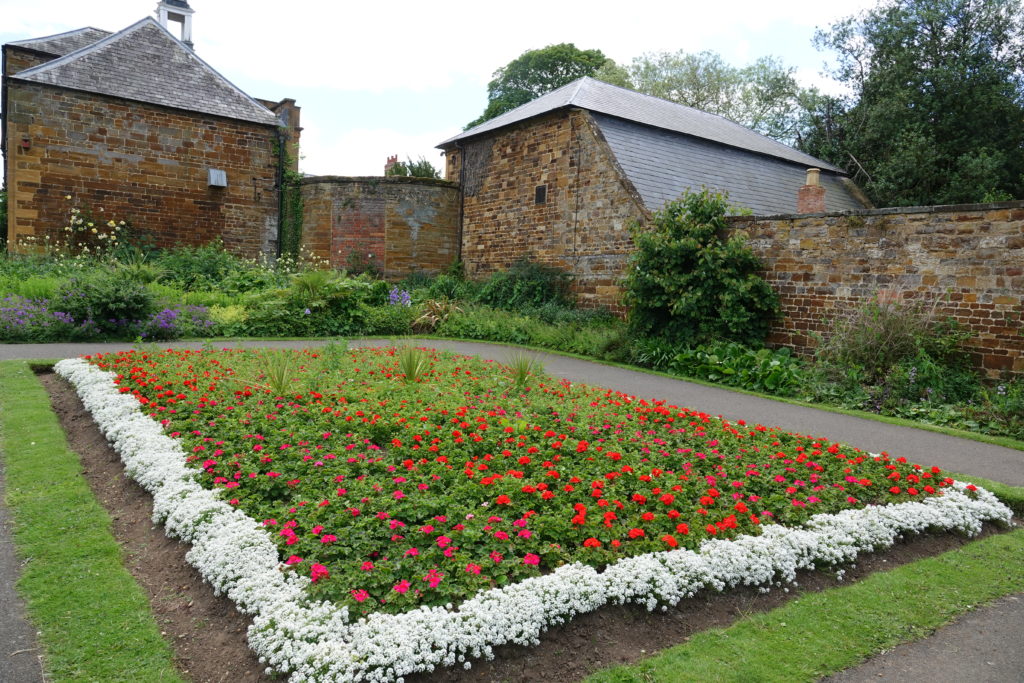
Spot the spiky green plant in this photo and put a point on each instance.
(523, 366)
(414, 364)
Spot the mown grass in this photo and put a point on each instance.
(821, 633)
(94, 620)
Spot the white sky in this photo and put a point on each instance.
(381, 78)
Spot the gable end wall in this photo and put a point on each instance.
(583, 226)
(140, 163)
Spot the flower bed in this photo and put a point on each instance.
(377, 523)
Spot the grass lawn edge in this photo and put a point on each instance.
(797, 642)
(93, 618)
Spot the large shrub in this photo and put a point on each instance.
(887, 331)
(526, 284)
(115, 303)
(690, 286)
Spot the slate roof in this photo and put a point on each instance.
(63, 43)
(662, 164)
(145, 63)
(598, 96)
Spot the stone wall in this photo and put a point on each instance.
(580, 224)
(402, 225)
(136, 162)
(967, 261)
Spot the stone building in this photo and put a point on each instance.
(561, 178)
(133, 125)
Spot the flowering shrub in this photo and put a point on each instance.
(388, 496)
(33, 320)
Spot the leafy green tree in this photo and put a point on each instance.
(936, 114)
(417, 169)
(535, 73)
(688, 285)
(762, 96)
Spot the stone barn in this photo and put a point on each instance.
(561, 178)
(135, 126)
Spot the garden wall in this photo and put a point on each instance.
(401, 225)
(969, 260)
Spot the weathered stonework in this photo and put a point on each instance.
(582, 224)
(403, 225)
(967, 261)
(137, 162)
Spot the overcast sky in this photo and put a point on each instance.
(381, 78)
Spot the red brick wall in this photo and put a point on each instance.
(583, 225)
(403, 225)
(966, 260)
(140, 163)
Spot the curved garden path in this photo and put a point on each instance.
(983, 645)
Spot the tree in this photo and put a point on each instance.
(936, 114)
(417, 169)
(535, 73)
(688, 285)
(762, 96)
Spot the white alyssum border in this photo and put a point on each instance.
(316, 641)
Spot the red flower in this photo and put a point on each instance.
(894, 489)
(503, 500)
(636, 533)
(591, 543)
(317, 572)
(670, 541)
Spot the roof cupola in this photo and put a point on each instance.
(177, 11)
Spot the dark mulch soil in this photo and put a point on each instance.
(208, 634)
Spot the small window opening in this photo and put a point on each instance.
(540, 195)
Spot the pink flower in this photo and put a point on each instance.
(501, 535)
(317, 572)
(398, 495)
(316, 530)
(473, 568)
(328, 538)
(402, 586)
(412, 552)
(433, 578)
(359, 595)
(294, 559)
(531, 559)
(443, 541)
(525, 533)
(497, 557)
(367, 566)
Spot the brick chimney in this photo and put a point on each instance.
(811, 197)
(391, 164)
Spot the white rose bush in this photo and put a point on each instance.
(375, 525)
